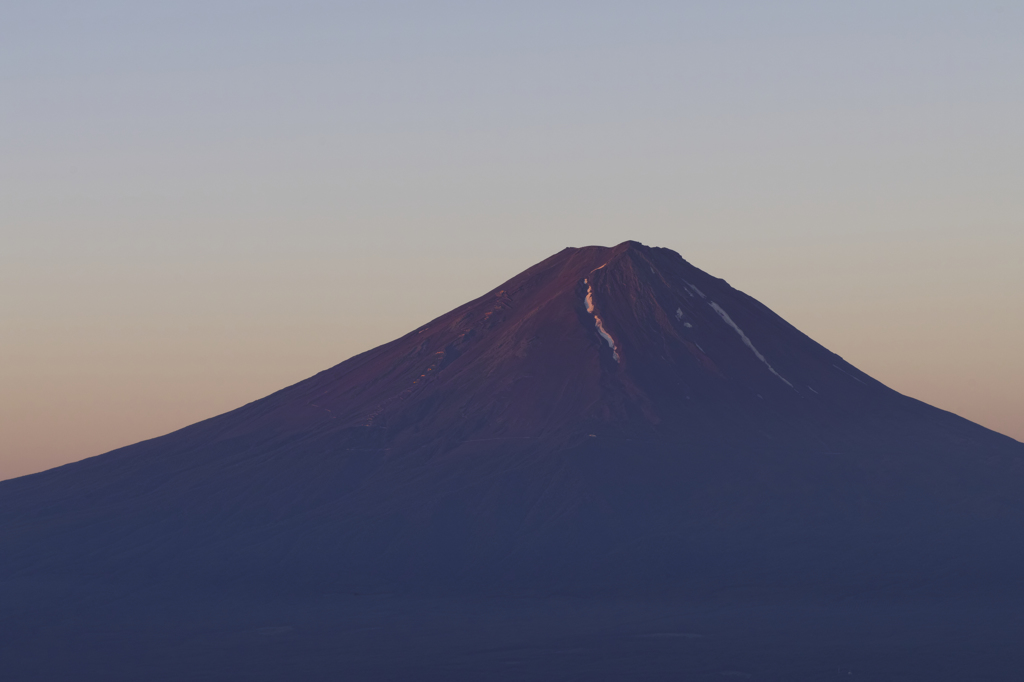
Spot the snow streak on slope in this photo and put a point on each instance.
(589, 301)
(728, 320)
(692, 289)
(848, 374)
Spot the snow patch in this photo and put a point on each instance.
(679, 316)
(589, 301)
(728, 320)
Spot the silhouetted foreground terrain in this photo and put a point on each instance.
(614, 466)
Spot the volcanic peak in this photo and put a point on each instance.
(590, 339)
(504, 450)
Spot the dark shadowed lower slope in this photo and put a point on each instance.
(612, 424)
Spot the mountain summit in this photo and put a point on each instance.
(611, 423)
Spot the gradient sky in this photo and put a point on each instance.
(202, 202)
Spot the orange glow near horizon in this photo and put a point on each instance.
(118, 365)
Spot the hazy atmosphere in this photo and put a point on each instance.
(201, 203)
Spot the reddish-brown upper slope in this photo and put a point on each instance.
(628, 339)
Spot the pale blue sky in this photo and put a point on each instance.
(203, 201)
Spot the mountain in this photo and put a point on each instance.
(610, 432)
